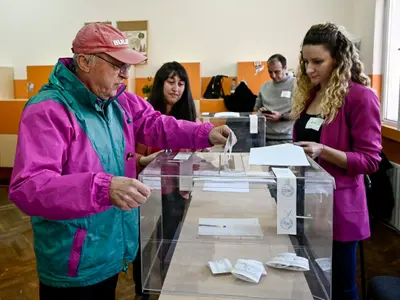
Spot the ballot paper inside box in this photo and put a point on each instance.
(208, 206)
(249, 128)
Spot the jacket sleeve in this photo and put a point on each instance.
(38, 186)
(156, 130)
(365, 130)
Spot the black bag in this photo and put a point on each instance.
(380, 196)
(242, 100)
(214, 88)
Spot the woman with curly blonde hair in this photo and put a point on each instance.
(337, 122)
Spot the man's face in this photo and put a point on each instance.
(107, 76)
(276, 72)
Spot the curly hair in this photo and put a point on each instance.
(348, 67)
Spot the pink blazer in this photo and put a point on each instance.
(356, 131)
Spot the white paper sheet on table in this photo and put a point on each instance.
(233, 180)
(278, 155)
(233, 227)
(227, 186)
(227, 114)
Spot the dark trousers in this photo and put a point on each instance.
(344, 265)
(102, 290)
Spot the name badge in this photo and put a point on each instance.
(286, 94)
(314, 123)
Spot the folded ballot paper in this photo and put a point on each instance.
(289, 261)
(220, 266)
(249, 270)
(231, 141)
(245, 269)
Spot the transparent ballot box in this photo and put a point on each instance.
(216, 226)
(249, 128)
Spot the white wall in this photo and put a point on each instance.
(379, 37)
(368, 25)
(363, 27)
(218, 33)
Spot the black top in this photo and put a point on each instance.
(304, 134)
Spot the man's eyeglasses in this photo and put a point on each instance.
(122, 68)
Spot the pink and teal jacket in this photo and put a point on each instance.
(70, 145)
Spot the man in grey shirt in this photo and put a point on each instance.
(275, 101)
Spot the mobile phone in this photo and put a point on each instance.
(267, 112)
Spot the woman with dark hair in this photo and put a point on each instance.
(171, 95)
(338, 124)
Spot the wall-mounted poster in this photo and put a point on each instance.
(137, 34)
(138, 40)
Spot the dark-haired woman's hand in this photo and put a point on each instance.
(146, 160)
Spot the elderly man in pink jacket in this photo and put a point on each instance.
(75, 166)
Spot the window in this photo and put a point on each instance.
(391, 64)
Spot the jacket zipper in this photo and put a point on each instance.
(124, 264)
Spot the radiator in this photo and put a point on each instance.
(395, 179)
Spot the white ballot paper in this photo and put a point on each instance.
(299, 264)
(286, 201)
(220, 266)
(227, 114)
(231, 141)
(289, 261)
(230, 227)
(249, 270)
(278, 155)
(227, 186)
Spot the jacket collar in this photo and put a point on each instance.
(63, 78)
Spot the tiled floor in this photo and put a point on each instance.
(18, 278)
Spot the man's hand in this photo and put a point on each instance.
(218, 135)
(312, 149)
(128, 193)
(146, 160)
(273, 116)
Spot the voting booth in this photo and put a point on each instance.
(249, 128)
(231, 227)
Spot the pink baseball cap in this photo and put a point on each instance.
(95, 38)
